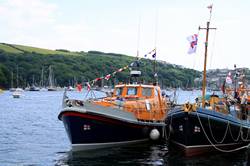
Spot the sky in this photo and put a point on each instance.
(129, 26)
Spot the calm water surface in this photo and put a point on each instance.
(31, 134)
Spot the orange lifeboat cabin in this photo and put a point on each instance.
(145, 101)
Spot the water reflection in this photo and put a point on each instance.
(239, 158)
(144, 154)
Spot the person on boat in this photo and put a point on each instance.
(237, 96)
(243, 105)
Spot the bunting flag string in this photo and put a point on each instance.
(153, 53)
(108, 76)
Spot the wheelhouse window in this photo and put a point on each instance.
(119, 91)
(132, 91)
(156, 92)
(147, 92)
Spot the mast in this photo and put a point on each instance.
(41, 83)
(12, 79)
(51, 84)
(154, 55)
(205, 58)
(33, 80)
(235, 79)
(17, 76)
(138, 38)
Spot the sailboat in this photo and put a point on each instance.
(51, 86)
(18, 91)
(214, 123)
(134, 113)
(33, 86)
(12, 89)
(41, 85)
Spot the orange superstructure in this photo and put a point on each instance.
(145, 101)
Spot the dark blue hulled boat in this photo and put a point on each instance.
(202, 130)
(215, 123)
(133, 113)
(93, 127)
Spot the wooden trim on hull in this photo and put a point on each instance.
(195, 150)
(92, 146)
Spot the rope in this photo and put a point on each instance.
(223, 138)
(237, 139)
(212, 52)
(169, 133)
(240, 133)
(245, 139)
(217, 148)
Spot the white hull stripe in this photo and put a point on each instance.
(78, 147)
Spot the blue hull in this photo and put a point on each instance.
(205, 131)
(91, 131)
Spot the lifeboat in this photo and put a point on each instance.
(133, 113)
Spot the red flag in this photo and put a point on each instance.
(97, 79)
(79, 87)
(88, 86)
(107, 77)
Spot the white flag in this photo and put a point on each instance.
(193, 39)
(229, 79)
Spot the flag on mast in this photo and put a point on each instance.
(229, 78)
(79, 87)
(210, 7)
(154, 54)
(88, 86)
(107, 77)
(193, 39)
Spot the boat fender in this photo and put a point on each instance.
(68, 103)
(154, 134)
(79, 103)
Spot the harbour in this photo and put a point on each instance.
(142, 100)
(31, 134)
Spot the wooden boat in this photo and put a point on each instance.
(215, 123)
(134, 113)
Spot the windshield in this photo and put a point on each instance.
(132, 91)
(119, 91)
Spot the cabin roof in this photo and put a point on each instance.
(134, 85)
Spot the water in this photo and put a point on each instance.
(31, 134)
